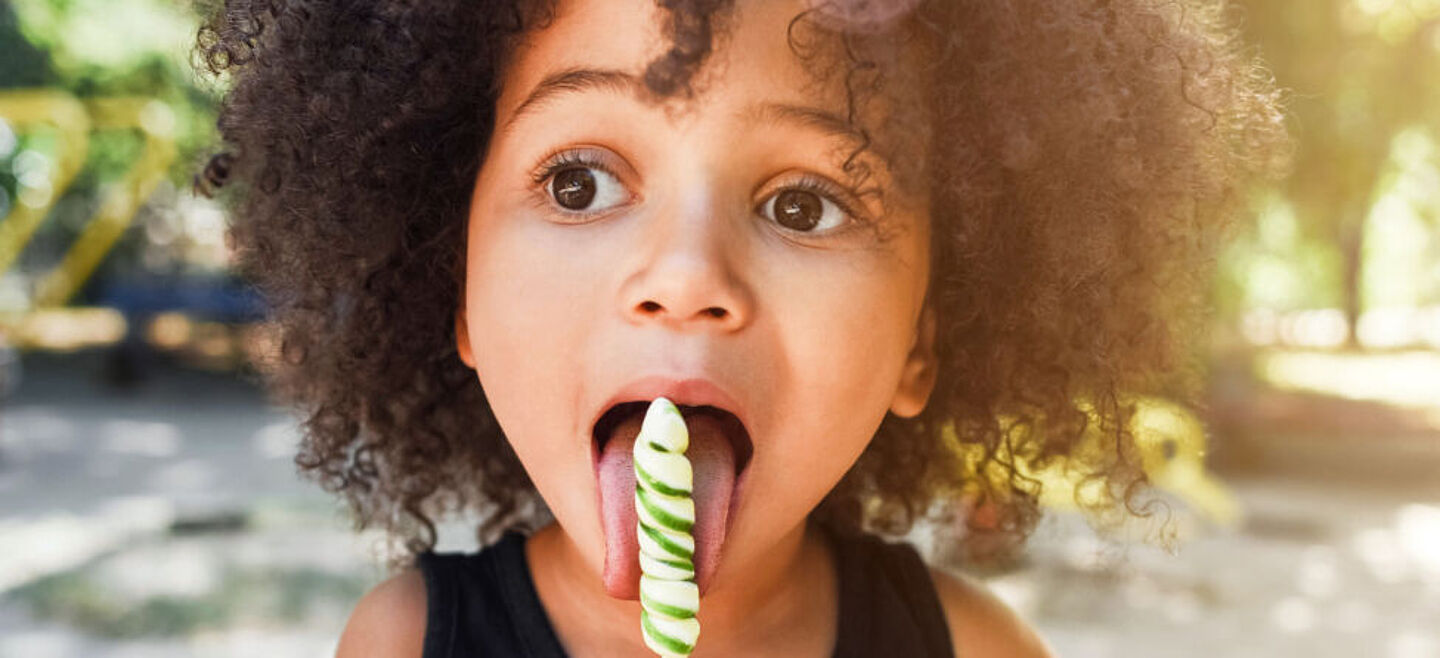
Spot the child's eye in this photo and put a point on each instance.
(807, 206)
(580, 184)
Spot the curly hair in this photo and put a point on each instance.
(1083, 159)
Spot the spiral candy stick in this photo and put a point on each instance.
(669, 597)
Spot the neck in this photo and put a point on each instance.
(784, 603)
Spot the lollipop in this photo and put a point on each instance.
(669, 597)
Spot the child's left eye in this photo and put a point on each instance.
(580, 183)
(811, 206)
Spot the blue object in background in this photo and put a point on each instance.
(140, 297)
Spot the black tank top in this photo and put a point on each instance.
(485, 604)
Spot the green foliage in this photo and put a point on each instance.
(105, 49)
(21, 63)
(1361, 73)
(1275, 265)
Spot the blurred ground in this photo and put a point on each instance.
(167, 521)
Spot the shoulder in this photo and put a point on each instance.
(981, 625)
(388, 621)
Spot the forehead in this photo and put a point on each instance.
(750, 53)
(751, 60)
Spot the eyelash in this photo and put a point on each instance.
(558, 162)
(563, 160)
(824, 188)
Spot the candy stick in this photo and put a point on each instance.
(669, 598)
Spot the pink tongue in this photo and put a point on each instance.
(714, 464)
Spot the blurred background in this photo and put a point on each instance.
(149, 505)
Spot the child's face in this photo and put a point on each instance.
(685, 244)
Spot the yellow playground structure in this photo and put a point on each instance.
(25, 322)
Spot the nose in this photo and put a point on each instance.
(688, 279)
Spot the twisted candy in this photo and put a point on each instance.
(669, 598)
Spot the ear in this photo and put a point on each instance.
(462, 328)
(462, 336)
(917, 378)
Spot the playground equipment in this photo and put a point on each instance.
(31, 320)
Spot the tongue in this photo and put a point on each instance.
(713, 462)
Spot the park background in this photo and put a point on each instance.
(149, 505)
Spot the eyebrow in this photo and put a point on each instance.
(613, 81)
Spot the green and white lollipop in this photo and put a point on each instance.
(669, 598)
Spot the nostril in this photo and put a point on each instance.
(650, 306)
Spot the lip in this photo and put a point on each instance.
(693, 391)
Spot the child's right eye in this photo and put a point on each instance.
(580, 184)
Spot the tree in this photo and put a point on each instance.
(1361, 72)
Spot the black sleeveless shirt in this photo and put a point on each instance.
(485, 604)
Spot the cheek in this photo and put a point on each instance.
(529, 293)
(525, 304)
(846, 334)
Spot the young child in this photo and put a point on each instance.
(852, 240)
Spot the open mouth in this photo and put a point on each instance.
(719, 452)
(734, 430)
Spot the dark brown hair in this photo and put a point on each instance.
(1082, 158)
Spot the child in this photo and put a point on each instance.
(849, 239)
